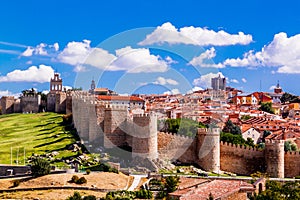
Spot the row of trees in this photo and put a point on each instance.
(164, 186)
(287, 97)
(182, 126)
(232, 133)
(278, 191)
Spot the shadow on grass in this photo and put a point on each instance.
(46, 124)
(53, 142)
(46, 133)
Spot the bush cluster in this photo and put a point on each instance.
(104, 167)
(124, 194)
(77, 180)
(164, 186)
(77, 196)
(40, 167)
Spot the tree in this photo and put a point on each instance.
(277, 191)
(250, 142)
(76, 196)
(231, 138)
(287, 97)
(231, 128)
(40, 167)
(183, 126)
(28, 92)
(172, 183)
(266, 133)
(289, 146)
(89, 197)
(245, 117)
(266, 107)
(210, 197)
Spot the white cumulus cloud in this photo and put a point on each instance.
(79, 53)
(244, 80)
(164, 81)
(168, 33)
(282, 52)
(234, 81)
(132, 60)
(272, 87)
(39, 74)
(8, 93)
(42, 49)
(194, 89)
(205, 80)
(137, 61)
(205, 57)
(173, 91)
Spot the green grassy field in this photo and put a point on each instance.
(32, 133)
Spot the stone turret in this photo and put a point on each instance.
(144, 136)
(208, 149)
(7, 104)
(115, 125)
(274, 155)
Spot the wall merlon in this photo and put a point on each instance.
(274, 141)
(292, 153)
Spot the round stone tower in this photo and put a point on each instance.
(208, 149)
(274, 156)
(144, 136)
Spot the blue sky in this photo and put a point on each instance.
(149, 46)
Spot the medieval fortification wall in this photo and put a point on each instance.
(107, 125)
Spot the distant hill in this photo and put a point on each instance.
(33, 133)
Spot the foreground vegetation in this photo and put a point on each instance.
(278, 191)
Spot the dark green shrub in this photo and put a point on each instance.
(161, 194)
(88, 171)
(76, 196)
(16, 183)
(40, 167)
(74, 179)
(172, 183)
(89, 197)
(104, 167)
(114, 170)
(82, 180)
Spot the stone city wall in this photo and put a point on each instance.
(291, 164)
(241, 160)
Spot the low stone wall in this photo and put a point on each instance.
(5, 169)
(58, 188)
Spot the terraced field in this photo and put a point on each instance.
(21, 135)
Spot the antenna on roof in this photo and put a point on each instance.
(260, 85)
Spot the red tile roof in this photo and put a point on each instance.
(119, 98)
(218, 188)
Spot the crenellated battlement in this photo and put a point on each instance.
(274, 141)
(239, 146)
(292, 153)
(176, 135)
(209, 131)
(116, 107)
(31, 98)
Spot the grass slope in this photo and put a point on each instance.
(36, 133)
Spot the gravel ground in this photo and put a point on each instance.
(103, 180)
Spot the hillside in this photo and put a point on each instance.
(33, 133)
(102, 180)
